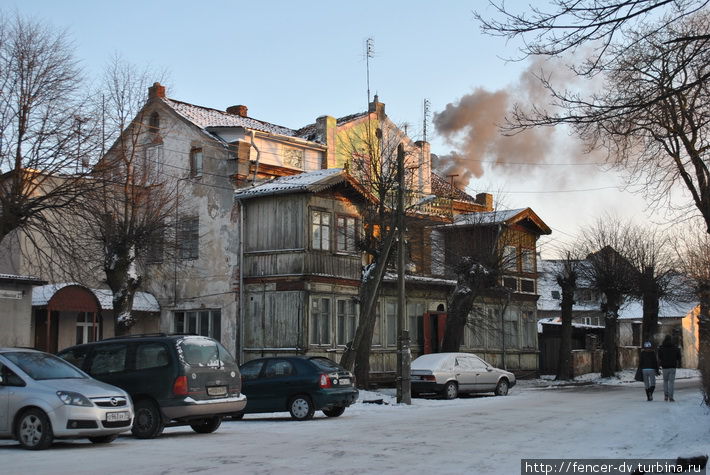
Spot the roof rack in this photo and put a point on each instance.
(140, 335)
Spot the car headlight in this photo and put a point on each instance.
(73, 399)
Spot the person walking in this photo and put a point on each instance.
(669, 360)
(649, 368)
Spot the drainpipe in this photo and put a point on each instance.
(240, 311)
(258, 154)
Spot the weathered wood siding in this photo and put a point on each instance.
(301, 262)
(276, 223)
(274, 319)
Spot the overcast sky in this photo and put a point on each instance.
(291, 62)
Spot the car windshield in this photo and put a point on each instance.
(326, 364)
(204, 352)
(42, 366)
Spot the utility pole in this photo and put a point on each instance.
(404, 355)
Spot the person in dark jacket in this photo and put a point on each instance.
(649, 368)
(669, 360)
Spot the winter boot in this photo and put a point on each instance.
(665, 397)
(650, 392)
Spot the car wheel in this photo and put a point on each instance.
(103, 439)
(451, 390)
(207, 426)
(334, 411)
(148, 423)
(502, 388)
(34, 431)
(301, 408)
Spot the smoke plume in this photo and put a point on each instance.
(472, 127)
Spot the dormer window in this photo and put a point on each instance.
(196, 159)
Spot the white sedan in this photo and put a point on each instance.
(450, 374)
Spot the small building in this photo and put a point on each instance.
(16, 309)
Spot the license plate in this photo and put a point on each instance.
(344, 381)
(217, 390)
(117, 416)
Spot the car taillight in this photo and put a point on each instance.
(429, 377)
(325, 381)
(180, 386)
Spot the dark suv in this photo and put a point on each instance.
(172, 379)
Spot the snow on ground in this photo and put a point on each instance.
(479, 435)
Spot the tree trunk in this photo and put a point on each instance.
(356, 356)
(649, 288)
(610, 358)
(460, 305)
(123, 280)
(704, 339)
(564, 367)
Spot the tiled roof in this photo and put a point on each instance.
(142, 302)
(303, 182)
(443, 188)
(205, 117)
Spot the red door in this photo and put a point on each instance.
(434, 324)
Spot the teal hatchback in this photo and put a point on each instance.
(297, 384)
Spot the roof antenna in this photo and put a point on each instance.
(427, 112)
(369, 53)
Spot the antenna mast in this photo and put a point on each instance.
(369, 53)
(427, 112)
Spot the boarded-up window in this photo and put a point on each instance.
(346, 318)
(320, 321)
(320, 230)
(189, 237)
(346, 234)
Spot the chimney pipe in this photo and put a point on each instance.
(156, 90)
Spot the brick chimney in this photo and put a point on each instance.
(485, 199)
(377, 106)
(239, 110)
(156, 90)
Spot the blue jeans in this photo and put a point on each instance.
(649, 377)
(668, 381)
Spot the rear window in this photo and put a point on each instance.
(204, 352)
(326, 364)
(41, 366)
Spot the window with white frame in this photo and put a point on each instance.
(320, 230)
(510, 258)
(320, 321)
(346, 234)
(189, 237)
(86, 328)
(527, 286)
(346, 317)
(527, 257)
(203, 322)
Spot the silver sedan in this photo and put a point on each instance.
(450, 374)
(42, 397)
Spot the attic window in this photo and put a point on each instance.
(154, 123)
(196, 159)
(556, 294)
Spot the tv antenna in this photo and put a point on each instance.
(427, 112)
(369, 53)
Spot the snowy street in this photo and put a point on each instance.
(482, 434)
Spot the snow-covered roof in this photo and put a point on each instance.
(557, 321)
(23, 278)
(633, 309)
(142, 302)
(205, 117)
(488, 217)
(391, 277)
(311, 182)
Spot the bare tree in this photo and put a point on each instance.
(46, 134)
(608, 270)
(567, 274)
(129, 217)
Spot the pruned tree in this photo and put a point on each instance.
(567, 274)
(46, 134)
(129, 217)
(608, 270)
